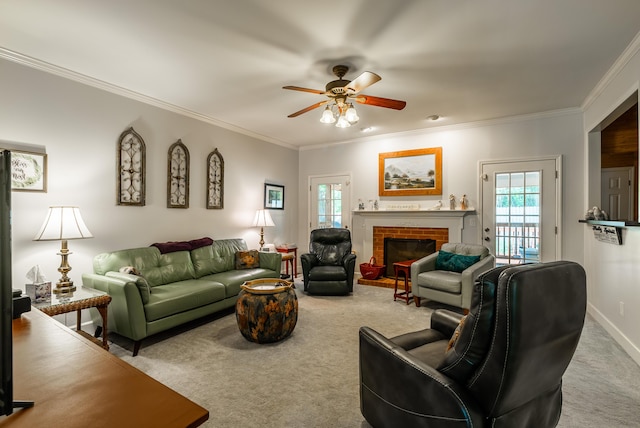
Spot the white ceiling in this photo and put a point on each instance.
(226, 60)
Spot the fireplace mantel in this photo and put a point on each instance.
(415, 213)
(365, 220)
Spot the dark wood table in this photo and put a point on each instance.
(74, 383)
(293, 260)
(403, 268)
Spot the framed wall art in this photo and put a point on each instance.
(178, 176)
(131, 153)
(28, 171)
(410, 172)
(215, 181)
(273, 196)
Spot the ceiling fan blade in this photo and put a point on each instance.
(361, 82)
(298, 88)
(304, 110)
(381, 102)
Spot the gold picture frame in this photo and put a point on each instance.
(28, 171)
(410, 172)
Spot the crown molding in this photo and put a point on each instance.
(117, 90)
(615, 69)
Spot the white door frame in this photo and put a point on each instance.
(558, 219)
(346, 202)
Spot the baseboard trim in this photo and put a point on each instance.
(629, 347)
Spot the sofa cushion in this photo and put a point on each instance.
(140, 258)
(247, 259)
(217, 257)
(233, 279)
(454, 262)
(443, 280)
(181, 296)
(171, 267)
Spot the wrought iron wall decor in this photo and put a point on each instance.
(178, 176)
(215, 180)
(131, 153)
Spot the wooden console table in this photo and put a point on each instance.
(77, 384)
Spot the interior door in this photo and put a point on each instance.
(617, 192)
(330, 197)
(520, 215)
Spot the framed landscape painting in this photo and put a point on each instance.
(410, 172)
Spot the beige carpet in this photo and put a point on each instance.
(311, 378)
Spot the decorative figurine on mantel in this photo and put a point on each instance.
(360, 205)
(464, 202)
(436, 207)
(375, 205)
(452, 202)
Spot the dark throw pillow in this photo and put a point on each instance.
(454, 262)
(247, 259)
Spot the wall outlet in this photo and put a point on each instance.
(621, 309)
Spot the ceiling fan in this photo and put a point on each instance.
(341, 92)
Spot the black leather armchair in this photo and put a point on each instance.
(329, 266)
(504, 366)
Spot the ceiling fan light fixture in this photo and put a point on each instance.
(342, 122)
(351, 114)
(327, 116)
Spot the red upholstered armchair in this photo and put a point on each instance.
(501, 367)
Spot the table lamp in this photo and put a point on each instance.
(262, 219)
(61, 224)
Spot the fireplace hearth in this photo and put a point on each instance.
(401, 249)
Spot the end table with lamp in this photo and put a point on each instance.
(63, 223)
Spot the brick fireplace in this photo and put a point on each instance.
(371, 227)
(438, 234)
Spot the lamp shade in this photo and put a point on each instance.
(63, 223)
(262, 219)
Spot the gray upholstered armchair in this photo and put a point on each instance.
(447, 276)
(329, 266)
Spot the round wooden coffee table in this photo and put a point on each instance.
(267, 310)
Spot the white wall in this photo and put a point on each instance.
(613, 271)
(463, 147)
(79, 127)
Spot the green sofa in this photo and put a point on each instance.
(174, 287)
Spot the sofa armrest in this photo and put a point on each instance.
(271, 261)
(126, 312)
(397, 389)
(445, 321)
(424, 264)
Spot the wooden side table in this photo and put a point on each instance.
(287, 258)
(82, 298)
(404, 268)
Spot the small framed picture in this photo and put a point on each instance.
(273, 196)
(28, 171)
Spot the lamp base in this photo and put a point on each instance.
(64, 287)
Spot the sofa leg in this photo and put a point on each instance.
(98, 331)
(136, 347)
(416, 299)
